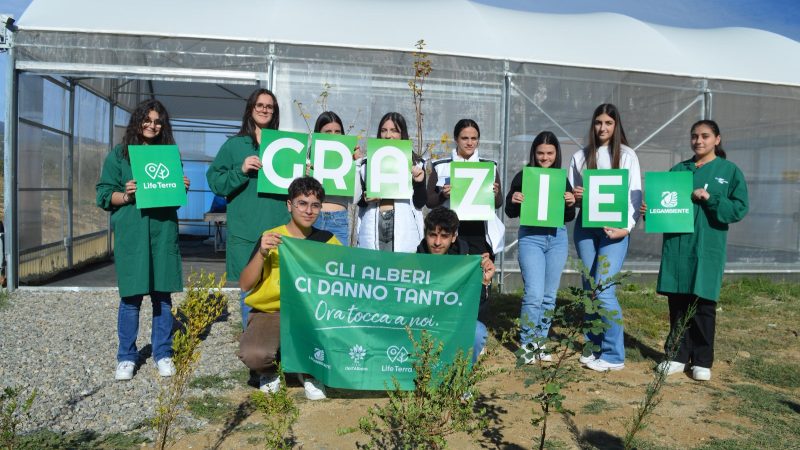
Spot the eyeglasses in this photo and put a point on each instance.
(157, 123)
(303, 205)
(260, 106)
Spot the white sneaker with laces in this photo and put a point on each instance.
(701, 373)
(587, 359)
(269, 383)
(601, 365)
(314, 389)
(670, 367)
(165, 366)
(124, 370)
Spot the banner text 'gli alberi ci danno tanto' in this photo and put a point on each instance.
(344, 311)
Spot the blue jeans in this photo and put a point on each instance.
(591, 244)
(244, 307)
(337, 222)
(542, 256)
(128, 326)
(480, 340)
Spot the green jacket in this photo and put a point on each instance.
(693, 263)
(249, 213)
(146, 253)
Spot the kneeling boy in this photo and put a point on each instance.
(260, 342)
(441, 238)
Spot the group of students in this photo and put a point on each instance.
(691, 263)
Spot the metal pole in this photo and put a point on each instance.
(504, 146)
(70, 174)
(708, 101)
(111, 119)
(270, 69)
(10, 169)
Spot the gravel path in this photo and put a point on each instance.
(64, 345)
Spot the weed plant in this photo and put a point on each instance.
(13, 413)
(280, 414)
(442, 402)
(202, 306)
(579, 315)
(652, 394)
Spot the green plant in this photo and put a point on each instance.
(280, 414)
(442, 402)
(781, 375)
(210, 407)
(579, 314)
(652, 394)
(597, 405)
(202, 306)
(12, 414)
(422, 68)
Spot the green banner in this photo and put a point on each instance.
(605, 198)
(544, 197)
(283, 158)
(158, 172)
(344, 311)
(668, 196)
(389, 169)
(332, 160)
(471, 192)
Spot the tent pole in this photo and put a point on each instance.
(504, 156)
(11, 247)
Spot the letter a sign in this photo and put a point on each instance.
(544, 197)
(605, 198)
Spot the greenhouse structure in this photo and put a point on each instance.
(76, 70)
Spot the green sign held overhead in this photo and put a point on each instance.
(332, 160)
(668, 196)
(344, 311)
(471, 190)
(544, 197)
(389, 169)
(158, 172)
(605, 198)
(283, 158)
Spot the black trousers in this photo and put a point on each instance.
(697, 344)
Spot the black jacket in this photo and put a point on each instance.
(459, 247)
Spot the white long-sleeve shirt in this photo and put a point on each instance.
(627, 160)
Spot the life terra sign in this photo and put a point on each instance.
(344, 311)
(158, 172)
(669, 203)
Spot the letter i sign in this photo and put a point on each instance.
(544, 197)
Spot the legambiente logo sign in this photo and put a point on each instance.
(669, 201)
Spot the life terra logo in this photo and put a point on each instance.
(318, 357)
(357, 354)
(397, 355)
(158, 172)
(669, 199)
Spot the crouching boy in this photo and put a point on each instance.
(441, 238)
(259, 345)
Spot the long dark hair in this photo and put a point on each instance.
(398, 120)
(326, 118)
(248, 127)
(465, 123)
(133, 133)
(617, 140)
(714, 129)
(545, 137)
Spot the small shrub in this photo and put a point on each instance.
(782, 375)
(280, 414)
(442, 402)
(13, 413)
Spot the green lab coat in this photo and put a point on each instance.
(693, 263)
(146, 253)
(249, 213)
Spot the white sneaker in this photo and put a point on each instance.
(601, 365)
(587, 359)
(269, 383)
(124, 370)
(314, 389)
(701, 373)
(165, 366)
(670, 367)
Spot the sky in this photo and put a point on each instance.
(778, 16)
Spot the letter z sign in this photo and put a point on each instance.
(471, 192)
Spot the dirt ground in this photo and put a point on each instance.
(690, 413)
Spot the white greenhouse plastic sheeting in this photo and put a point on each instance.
(451, 27)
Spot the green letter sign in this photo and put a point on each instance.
(471, 193)
(669, 202)
(605, 198)
(544, 197)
